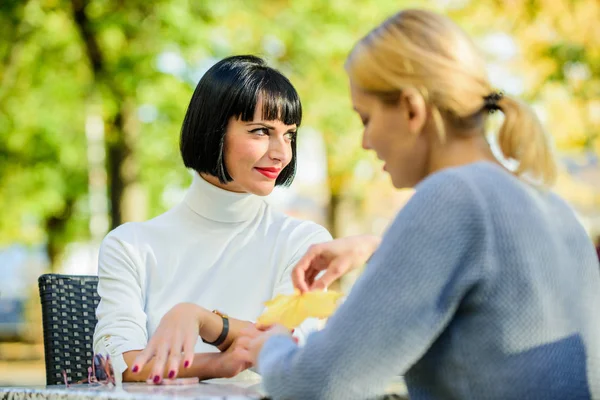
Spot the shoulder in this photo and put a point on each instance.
(562, 204)
(295, 229)
(498, 193)
(120, 246)
(150, 231)
(483, 185)
(445, 223)
(294, 236)
(447, 201)
(123, 234)
(452, 189)
(130, 237)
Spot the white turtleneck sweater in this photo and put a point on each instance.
(218, 249)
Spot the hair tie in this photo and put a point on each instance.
(490, 102)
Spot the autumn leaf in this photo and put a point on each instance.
(291, 310)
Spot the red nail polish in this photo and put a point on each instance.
(156, 379)
(135, 368)
(293, 330)
(186, 364)
(171, 374)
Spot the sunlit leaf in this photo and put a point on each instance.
(291, 310)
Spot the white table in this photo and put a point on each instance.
(135, 391)
(212, 390)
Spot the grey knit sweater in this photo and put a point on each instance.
(483, 288)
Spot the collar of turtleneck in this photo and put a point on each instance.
(214, 203)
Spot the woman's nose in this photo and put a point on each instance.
(279, 150)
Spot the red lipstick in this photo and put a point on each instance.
(269, 172)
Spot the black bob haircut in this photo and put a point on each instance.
(231, 88)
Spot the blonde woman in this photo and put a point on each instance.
(485, 286)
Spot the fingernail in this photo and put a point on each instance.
(156, 379)
(295, 339)
(171, 374)
(135, 368)
(186, 364)
(293, 330)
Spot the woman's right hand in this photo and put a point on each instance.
(336, 258)
(177, 333)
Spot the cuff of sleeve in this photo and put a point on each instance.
(115, 351)
(274, 348)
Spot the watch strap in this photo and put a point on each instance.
(219, 341)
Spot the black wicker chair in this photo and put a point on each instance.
(69, 317)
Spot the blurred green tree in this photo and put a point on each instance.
(133, 66)
(558, 58)
(43, 171)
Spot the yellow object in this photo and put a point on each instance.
(291, 310)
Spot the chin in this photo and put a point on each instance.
(262, 190)
(395, 182)
(400, 183)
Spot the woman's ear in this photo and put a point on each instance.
(415, 109)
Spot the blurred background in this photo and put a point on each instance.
(93, 94)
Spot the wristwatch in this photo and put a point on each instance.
(224, 332)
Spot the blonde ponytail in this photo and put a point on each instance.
(523, 139)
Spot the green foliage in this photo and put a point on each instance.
(559, 55)
(136, 64)
(42, 148)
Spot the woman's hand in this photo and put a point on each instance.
(253, 340)
(336, 258)
(177, 333)
(234, 360)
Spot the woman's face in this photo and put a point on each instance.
(256, 152)
(393, 132)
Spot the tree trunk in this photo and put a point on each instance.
(55, 228)
(127, 202)
(335, 200)
(332, 214)
(115, 154)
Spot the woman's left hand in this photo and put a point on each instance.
(253, 340)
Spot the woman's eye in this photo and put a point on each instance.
(260, 131)
(290, 136)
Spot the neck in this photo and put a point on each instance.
(459, 150)
(230, 186)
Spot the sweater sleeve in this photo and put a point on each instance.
(121, 318)
(310, 233)
(432, 254)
